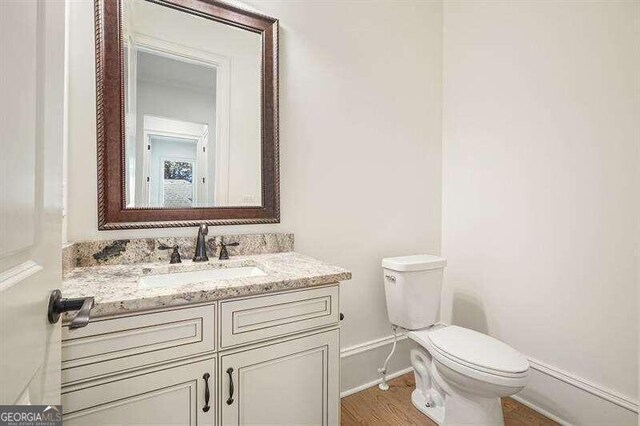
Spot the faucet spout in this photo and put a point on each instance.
(201, 248)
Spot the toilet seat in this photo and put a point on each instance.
(474, 355)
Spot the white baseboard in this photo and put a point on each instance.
(372, 344)
(557, 394)
(541, 411)
(375, 382)
(572, 400)
(585, 385)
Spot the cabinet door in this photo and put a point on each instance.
(174, 395)
(295, 382)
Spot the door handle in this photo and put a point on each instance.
(206, 392)
(59, 304)
(230, 373)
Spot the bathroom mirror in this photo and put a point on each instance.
(187, 114)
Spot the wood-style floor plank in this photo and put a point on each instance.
(393, 407)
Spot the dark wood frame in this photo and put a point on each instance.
(112, 213)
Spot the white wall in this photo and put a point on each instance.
(360, 137)
(540, 214)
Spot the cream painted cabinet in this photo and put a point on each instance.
(171, 395)
(278, 363)
(293, 382)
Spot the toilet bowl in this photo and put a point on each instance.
(460, 374)
(463, 374)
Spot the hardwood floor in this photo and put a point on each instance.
(393, 407)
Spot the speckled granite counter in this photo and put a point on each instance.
(116, 289)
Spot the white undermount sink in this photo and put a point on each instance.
(177, 279)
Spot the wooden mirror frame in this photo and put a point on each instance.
(110, 112)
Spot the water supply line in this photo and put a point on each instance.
(383, 370)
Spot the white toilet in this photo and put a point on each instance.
(460, 373)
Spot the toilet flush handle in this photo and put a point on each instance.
(391, 278)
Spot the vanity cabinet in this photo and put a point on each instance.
(277, 362)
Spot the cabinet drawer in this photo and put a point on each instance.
(264, 317)
(173, 394)
(111, 345)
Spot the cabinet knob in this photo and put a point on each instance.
(341, 316)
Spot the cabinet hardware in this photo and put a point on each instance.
(230, 372)
(341, 316)
(206, 392)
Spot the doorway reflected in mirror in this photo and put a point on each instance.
(192, 94)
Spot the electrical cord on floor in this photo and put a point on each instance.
(383, 370)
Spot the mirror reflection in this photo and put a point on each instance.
(192, 110)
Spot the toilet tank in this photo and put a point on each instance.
(412, 285)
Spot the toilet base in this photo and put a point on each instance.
(479, 412)
(435, 413)
(454, 399)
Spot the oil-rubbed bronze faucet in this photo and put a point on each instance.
(201, 246)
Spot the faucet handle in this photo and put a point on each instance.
(175, 255)
(224, 254)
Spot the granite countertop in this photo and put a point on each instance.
(116, 289)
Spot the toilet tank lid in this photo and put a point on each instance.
(420, 262)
